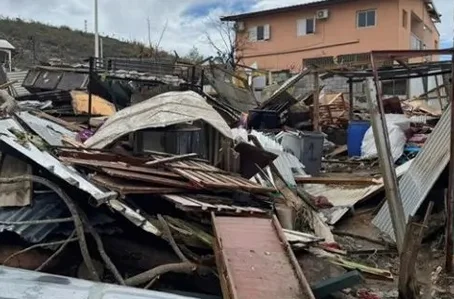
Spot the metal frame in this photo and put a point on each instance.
(380, 130)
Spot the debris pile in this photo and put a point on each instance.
(144, 176)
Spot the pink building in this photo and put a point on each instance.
(280, 39)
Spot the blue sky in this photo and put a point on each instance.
(188, 21)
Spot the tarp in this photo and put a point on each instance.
(161, 111)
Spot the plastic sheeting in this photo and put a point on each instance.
(397, 124)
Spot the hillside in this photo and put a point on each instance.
(71, 46)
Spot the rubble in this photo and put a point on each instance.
(144, 178)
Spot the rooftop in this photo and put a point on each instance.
(429, 5)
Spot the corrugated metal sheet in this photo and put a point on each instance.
(20, 77)
(51, 132)
(345, 197)
(48, 161)
(253, 261)
(287, 164)
(422, 175)
(161, 111)
(21, 284)
(44, 206)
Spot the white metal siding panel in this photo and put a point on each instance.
(422, 174)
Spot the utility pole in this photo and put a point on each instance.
(96, 30)
(149, 33)
(85, 26)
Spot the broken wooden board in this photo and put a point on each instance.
(254, 260)
(339, 180)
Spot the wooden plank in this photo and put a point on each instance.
(338, 180)
(129, 175)
(120, 166)
(169, 159)
(128, 188)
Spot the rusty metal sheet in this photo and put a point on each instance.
(255, 261)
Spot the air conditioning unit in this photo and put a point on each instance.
(322, 14)
(240, 26)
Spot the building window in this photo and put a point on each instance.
(305, 26)
(366, 18)
(395, 87)
(404, 18)
(435, 44)
(259, 33)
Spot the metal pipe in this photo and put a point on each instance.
(350, 98)
(385, 157)
(96, 30)
(316, 115)
(90, 82)
(450, 197)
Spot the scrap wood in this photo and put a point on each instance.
(320, 228)
(150, 275)
(202, 203)
(340, 261)
(193, 230)
(119, 166)
(74, 143)
(339, 150)
(135, 217)
(8, 84)
(338, 180)
(68, 125)
(134, 176)
(412, 243)
(372, 240)
(126, 187)
(170, 159)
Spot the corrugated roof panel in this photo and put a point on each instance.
(49, 162)
(18, 284)
(422, 175)
(346, 196)
(44, 206)
(20, 77)
(51, 132)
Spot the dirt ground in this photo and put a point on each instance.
(432, 281)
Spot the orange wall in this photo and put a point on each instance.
(335, 36)
(427, 36)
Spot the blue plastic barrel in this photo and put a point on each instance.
(355, 134)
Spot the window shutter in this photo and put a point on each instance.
(301, 27)
(252, 34)
(266, 32)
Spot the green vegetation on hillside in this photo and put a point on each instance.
(37, 42)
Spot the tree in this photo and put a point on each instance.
(226, 43)
(194, 56)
